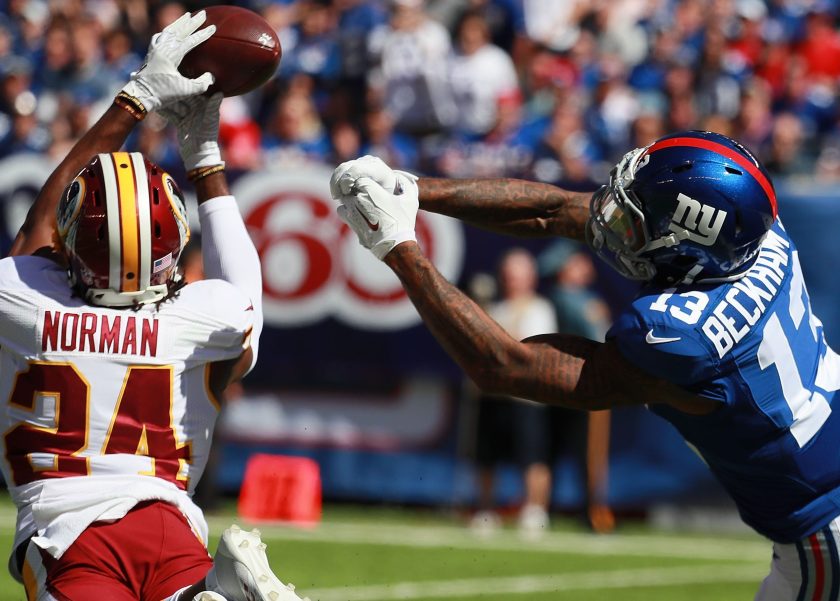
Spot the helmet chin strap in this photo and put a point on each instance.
(692, 273)
(672, 239)
(105, 297)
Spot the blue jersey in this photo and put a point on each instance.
(755, 346)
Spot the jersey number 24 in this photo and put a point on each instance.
(140, 425)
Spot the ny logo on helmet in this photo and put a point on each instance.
(702, 222)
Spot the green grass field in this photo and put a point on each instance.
(360, 554)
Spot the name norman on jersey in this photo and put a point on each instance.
(65, 331)
(747, 300)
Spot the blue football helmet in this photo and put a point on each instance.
(691, 207)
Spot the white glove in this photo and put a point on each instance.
(345, 175)
(381, 219)
(197, 121)
(158, 81)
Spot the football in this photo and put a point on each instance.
(242, 55)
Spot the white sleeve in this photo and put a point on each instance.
(229, 255)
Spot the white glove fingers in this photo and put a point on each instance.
(377, 206)
(372, 161)
(361, 209)
(191, 24)
(374, 194)
(342, 168)
(202, 82)
(347, 215)
(346, 175)
(198, 37)
(367, 207)
(196, 21)
(406, 190)
(364, 183)
(405, 182)
(375, 168)
(179, 25)
(348, 183)
(405, 175)
(337, 188)
(351, 216)
(381, 217)
(154, 42)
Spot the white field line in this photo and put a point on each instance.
(677, 547)
(472, 587)
(421, 536)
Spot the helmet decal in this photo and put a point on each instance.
(162, 263)
(70, 206)
(179, 207)
(702, 222)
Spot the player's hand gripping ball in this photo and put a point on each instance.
(242, 55)
(344, 176)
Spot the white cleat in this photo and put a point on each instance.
(533, 522)
(242, 571)
(208, 596)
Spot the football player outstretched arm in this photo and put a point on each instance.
(559, 369)
(107, 135)
(508, 206)
(226, 247)
(155, 85)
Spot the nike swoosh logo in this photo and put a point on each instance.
(373, 226)
(651, 339)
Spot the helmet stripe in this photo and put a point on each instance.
(128, 221)
(741, 160)
(112, 207)
(144, 220)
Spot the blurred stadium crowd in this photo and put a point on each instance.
(554, 90)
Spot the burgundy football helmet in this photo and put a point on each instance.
(122, 224)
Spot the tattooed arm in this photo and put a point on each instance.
(509, 206)
(553, 368)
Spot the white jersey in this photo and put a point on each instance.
(105, 408)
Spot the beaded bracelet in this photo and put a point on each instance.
(201, 172)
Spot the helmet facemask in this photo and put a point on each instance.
(616, 230)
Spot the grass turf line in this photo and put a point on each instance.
(371, 555)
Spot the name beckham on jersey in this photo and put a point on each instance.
(65, 331)
(747, 300)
